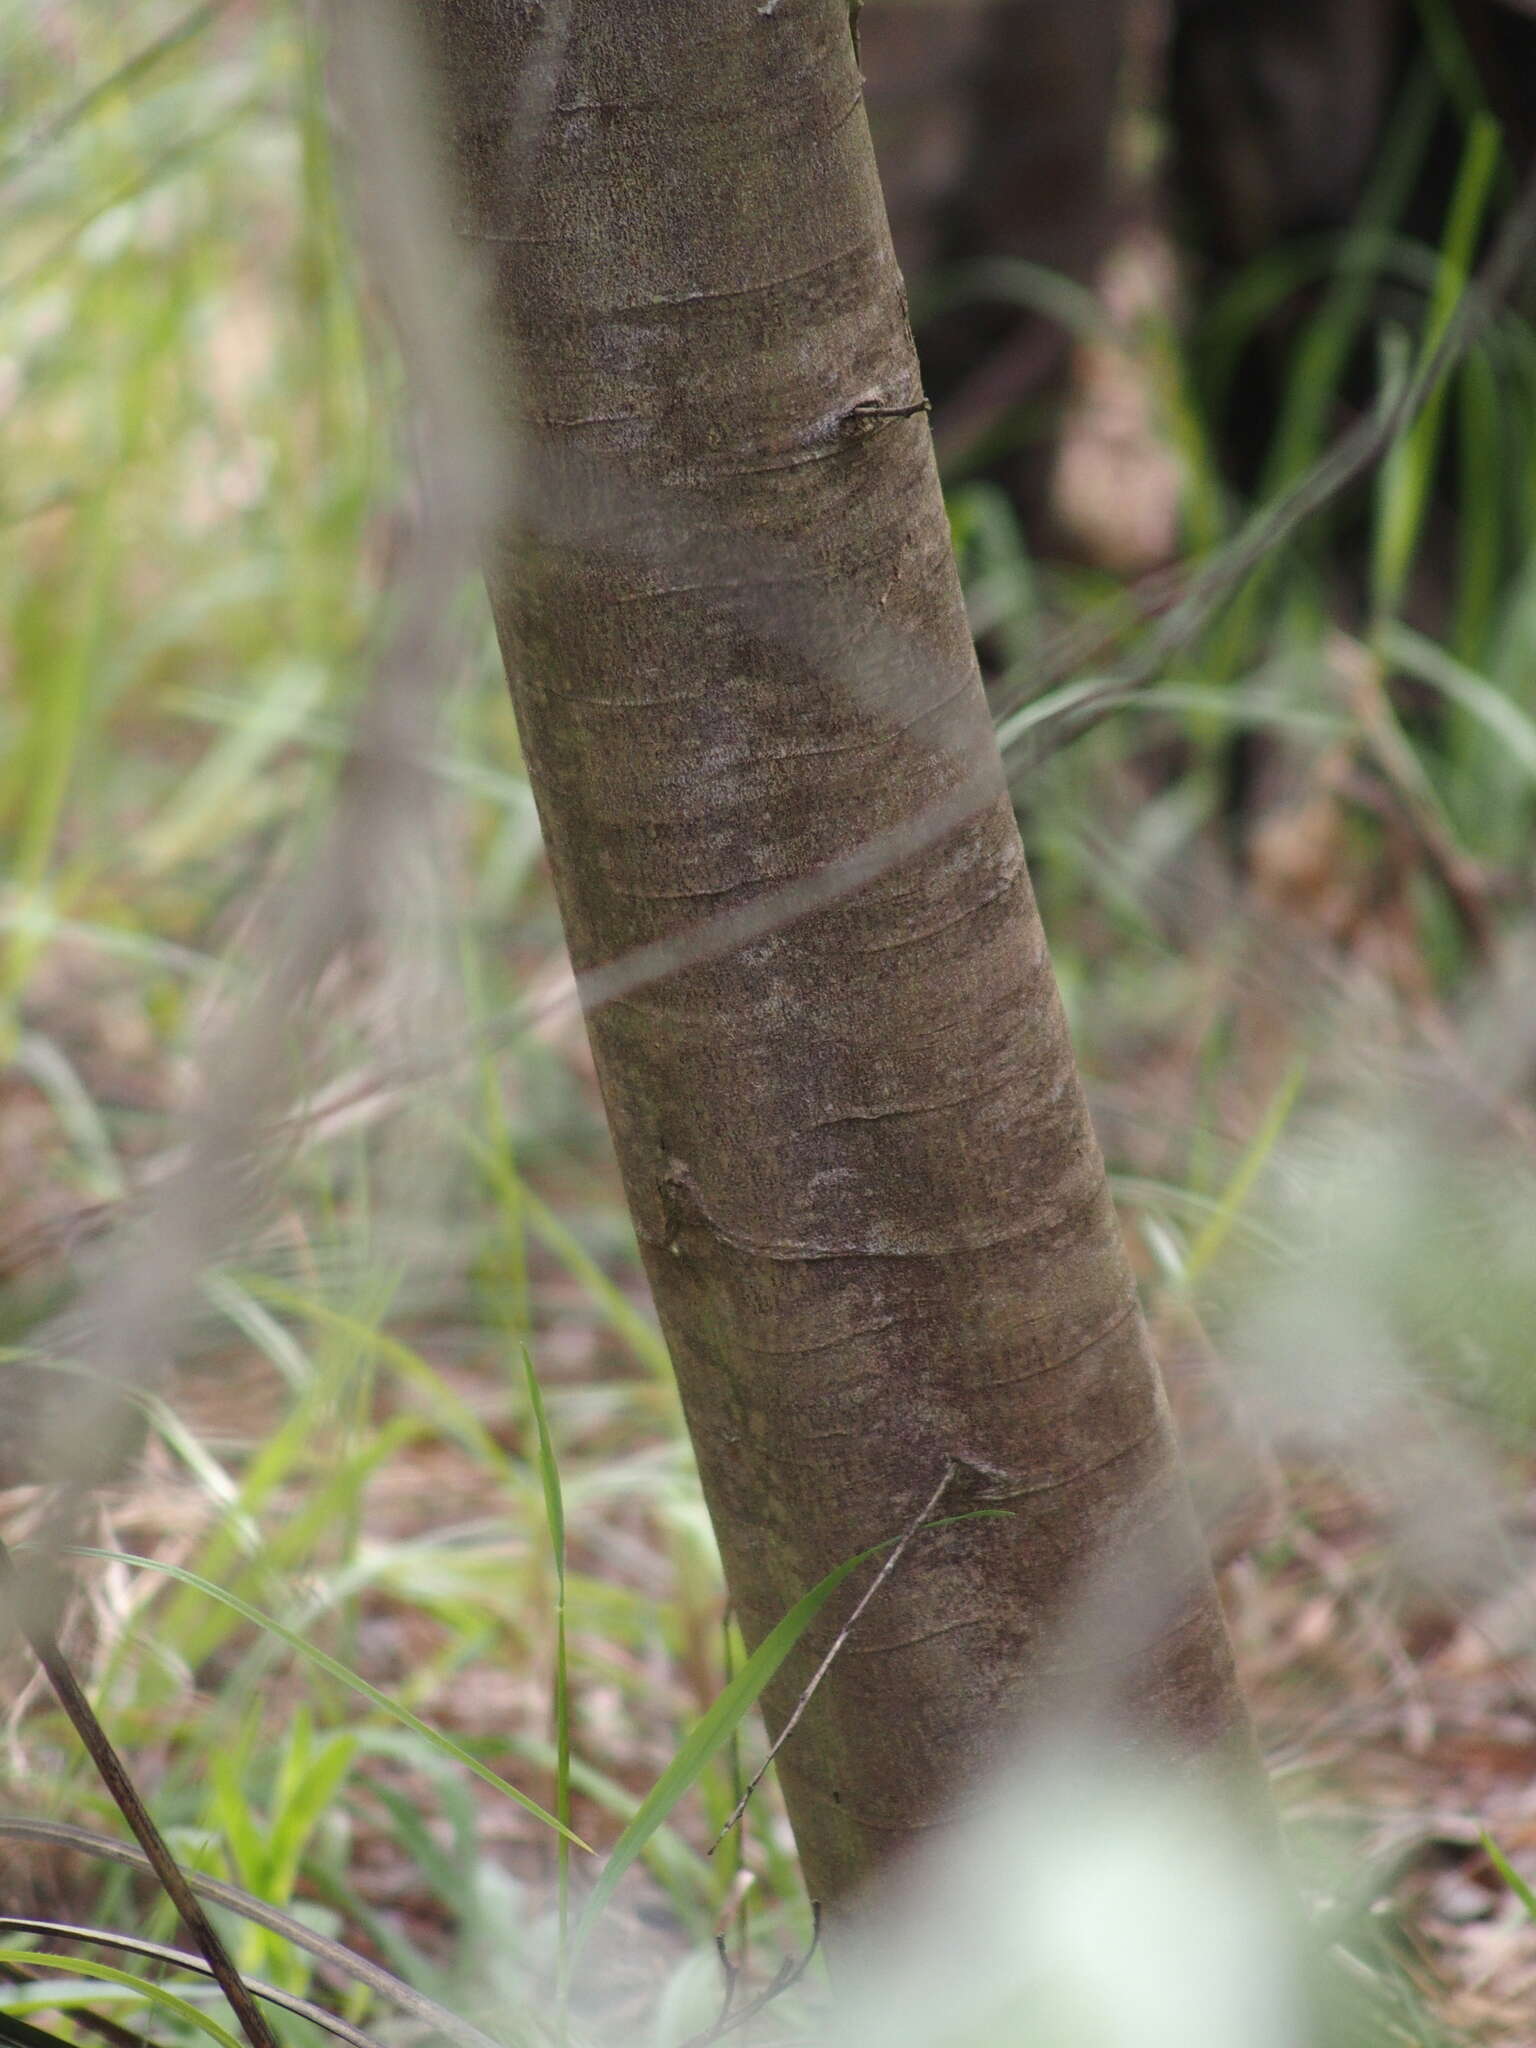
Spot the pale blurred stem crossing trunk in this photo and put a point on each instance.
(855, 1146)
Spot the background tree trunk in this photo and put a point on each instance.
(992, 123)
(854, 1145)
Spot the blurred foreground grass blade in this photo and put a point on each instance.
(443, 1744)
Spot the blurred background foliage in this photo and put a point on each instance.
(1158, 264)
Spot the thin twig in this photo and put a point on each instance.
(732, 1978)
(33, 1619)
(787, 1974)
(897, 1553)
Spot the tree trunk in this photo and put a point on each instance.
(853, 1140)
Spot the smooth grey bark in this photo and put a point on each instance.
(853, 1140)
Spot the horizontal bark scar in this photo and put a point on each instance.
(1100, 1336)
(585, 700)
(888, 733)
(700, 895)
(870, 409)
(708, 586)
(874, 1113)
(1013, 875)
(683, 1208)
(570, 421)
(917, 1824)
(712, 296)
(1196, 1617)
(822, 1344)
(1009, 1491)
(927, 1635)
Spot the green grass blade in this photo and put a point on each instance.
(449, 1411)
(1513, 728)
(53, 1994)
(1508, 1872)
(153, 1994)
(549, 1472)
(443, 1872)
(680, 1868)
(710, 1734)
(1219, 1226)
(1480, 541)
(1447, 44)
(1407, 476)
(642, 1336)
(554, 1512)
(219, 796)
(443, 1744)
(1320, 360)
(298, 1808)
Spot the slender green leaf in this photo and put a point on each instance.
(153, 1994)
(554, 1511)
(1407, 475)
(709, 1735)
(1513, 728)
(1218, 1228)
(549, 1472)
(1508, 1872)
